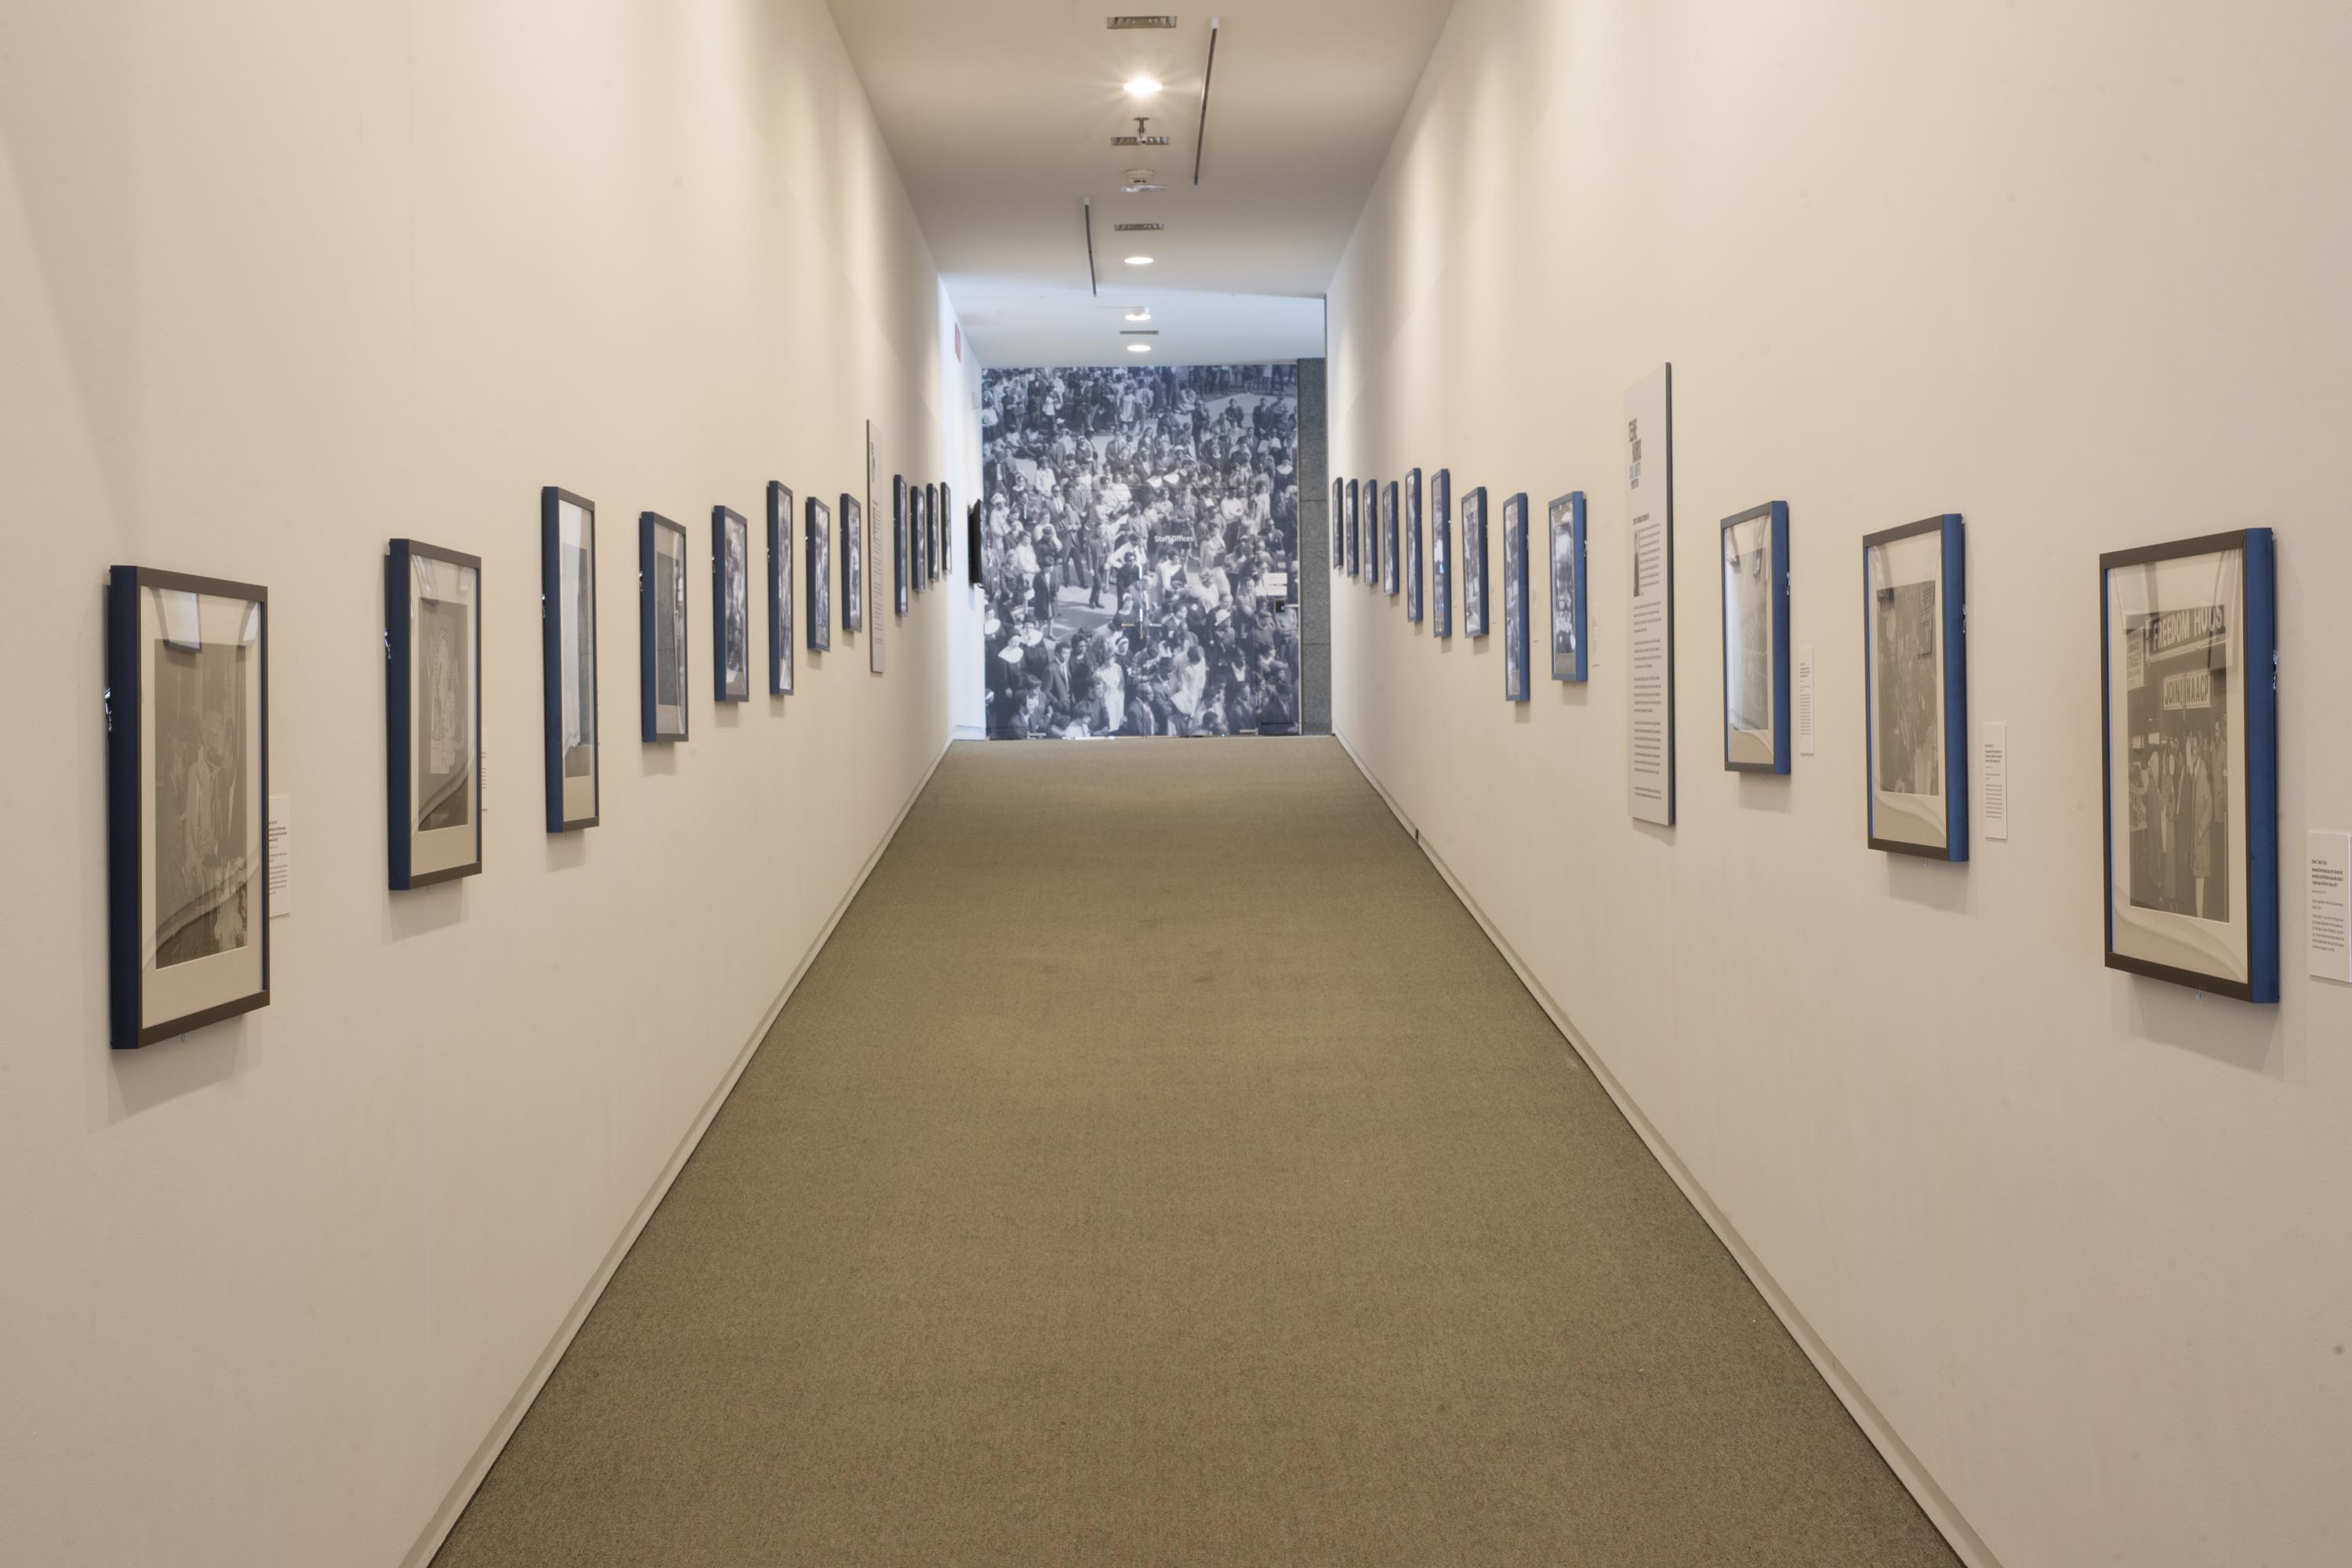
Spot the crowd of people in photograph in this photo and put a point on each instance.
(1139, 545)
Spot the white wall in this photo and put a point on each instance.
(280, 280)
(966, 607)
(2075, 271)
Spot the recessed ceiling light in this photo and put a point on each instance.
(1138, 315)
(1139, 348)
(1138, 261)
(1142, 87)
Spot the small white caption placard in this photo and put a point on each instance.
(1996, 781)
(1805, 700)
(281, 855)
(2330, 901)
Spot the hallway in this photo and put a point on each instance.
(1159, 1165)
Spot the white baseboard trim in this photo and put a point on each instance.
(445, 1518)
(1931, 1498)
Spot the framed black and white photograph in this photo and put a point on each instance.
(1355, 528)
(731, 606)
(919, 534)
(820, 575)
(1338, 525)
(661, 626)
(927, 551)
(944, 534)
(975, 554)
(780, 589)
(433, 714)
(1441, 552)
(1474, 563)
(1568, 642)
(853, 563)
(900, 565)
(567, 590)
(1756, 639)
(1391, 539)
(1516, 649)
(2188, 651)
(1412, 581)
(1915, 688)
(1375, 539)
(187, 780)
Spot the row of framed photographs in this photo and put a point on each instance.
(1377, 535)
(2188, 656)
(187, 720)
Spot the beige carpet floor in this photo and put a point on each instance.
(1160, 1166)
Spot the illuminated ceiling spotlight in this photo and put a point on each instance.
(1142, 87)
(1138, 261)
(1139, 348)
(1138, 315)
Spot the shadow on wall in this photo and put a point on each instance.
(1139, 547)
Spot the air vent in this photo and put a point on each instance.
(1139, 331)
(1126, 24)
(1138, 228)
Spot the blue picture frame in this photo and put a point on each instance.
(1516, 650)
(780, 589)
(1390, 541)
(1473, 562)
(661, 673)
(899, 562)
(567, 615)
(157, 681)
(1441, 552)
(1412, 578)
(409, 565)
(820, 577)
(1570, 653)
(1753, 555)
(1338, 524)
(1355, 529)
(2188, 632)
(730, 605)
(1915, 679)
(853, 562)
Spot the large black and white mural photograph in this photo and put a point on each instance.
(1139, 540)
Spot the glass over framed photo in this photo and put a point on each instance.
(941, 534)
(188, 779)
(1441, 552)
(1355, 527)
(919, 531)
(1568, 640)
(820, 575)
(1375, 541)
(1756, 639)
(1338, 525)
(899, 543)
(1474, 563)
(2189, 650)
(731, 606)
(661, 626)
(567, 587)
(1915, 676)
(1516, 650)
(853, 563)
(433, 712)
(1391, 538)
(1412, 584)
(780, 589)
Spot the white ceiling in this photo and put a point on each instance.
(998, 114)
